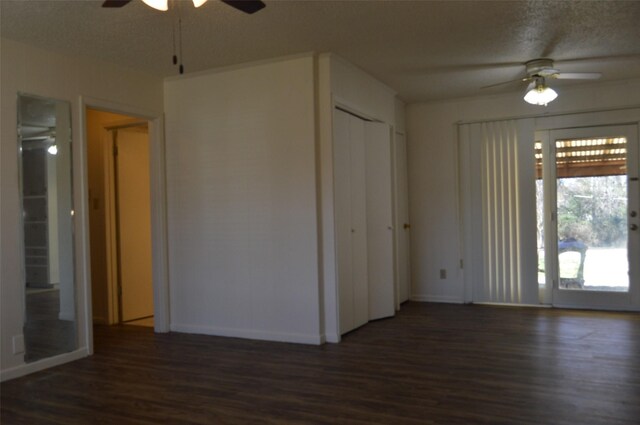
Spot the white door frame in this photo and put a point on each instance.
(588, 299)
(159, 244)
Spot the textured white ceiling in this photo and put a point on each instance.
(425, 50)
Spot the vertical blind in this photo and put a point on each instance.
(498, 201)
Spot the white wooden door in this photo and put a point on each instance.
(342, 199)
(591, 217)
(402, 227)
(380, 231)
(350, 216)
(359, 223)
(133, 224)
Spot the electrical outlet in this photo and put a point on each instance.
(443, 273)
(18, 344)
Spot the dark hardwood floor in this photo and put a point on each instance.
(432, 364)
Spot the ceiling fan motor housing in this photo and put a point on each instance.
(541, 67)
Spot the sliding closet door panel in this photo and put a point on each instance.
(379, 197)
(342, 197)
(359, 233)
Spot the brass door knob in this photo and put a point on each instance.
(407, 226)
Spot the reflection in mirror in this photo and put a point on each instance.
(44, 137)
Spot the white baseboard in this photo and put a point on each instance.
(249, 334)
(331, 337)
(27, 368)
(436, 299)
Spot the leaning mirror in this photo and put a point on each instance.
(44, 138)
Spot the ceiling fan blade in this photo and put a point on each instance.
(246, 6)
(629, 57)
(577, 75)
(519, 80)
(445, 69)
(115, 3)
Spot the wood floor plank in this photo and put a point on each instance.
(431, 364)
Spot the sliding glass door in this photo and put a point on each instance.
(589, 243)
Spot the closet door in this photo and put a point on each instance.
(350, 215)
(359, 217)
(342, 196)
(402, 227)
(380, 232)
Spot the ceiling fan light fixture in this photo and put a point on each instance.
(538, 93)
(198, 3)
(158, 4)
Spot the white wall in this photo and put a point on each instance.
(433, 185)
(35, 71)
(400, 116)
(359, 91)
(242, 212)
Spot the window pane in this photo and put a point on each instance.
(592, 214)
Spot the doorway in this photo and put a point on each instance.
(120, 218)
(588, 202)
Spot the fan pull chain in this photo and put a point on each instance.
(180, 44)
(175, 57)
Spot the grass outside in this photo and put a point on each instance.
(605, 269)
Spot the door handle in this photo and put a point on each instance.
(406, 226)
(633, 213)
(633, 226)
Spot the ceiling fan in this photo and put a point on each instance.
(538, 70)
(246, 6)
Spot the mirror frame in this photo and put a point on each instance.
(48, 336)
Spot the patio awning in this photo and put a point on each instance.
(587, 157)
